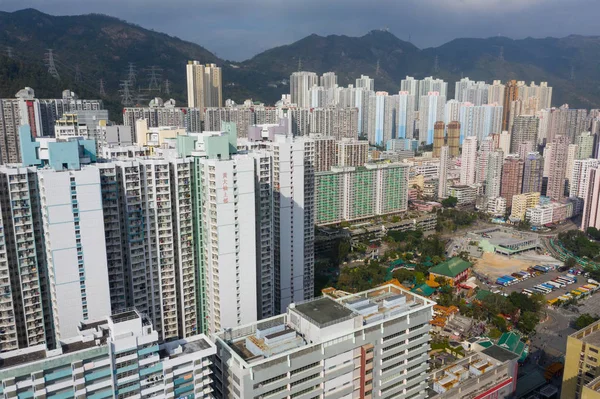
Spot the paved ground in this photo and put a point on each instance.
(542, 278)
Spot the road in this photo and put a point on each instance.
(550, 340)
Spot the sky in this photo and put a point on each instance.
(238, 29)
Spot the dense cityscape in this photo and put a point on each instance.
(341, 243)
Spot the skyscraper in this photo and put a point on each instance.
(533, 172)
(453, 130)
(468, 161)
(591, 206)
(444, 166)
(439, 136)
(494, 174)
(571, 156)
(328, 80)
(525, 129)
(479, 121)
(195, 84)
(512, 178)
(300, 85)
(487, 145)
(557, 168)
(580, 176)
(213, 86)
(525, 148)
(585, 145)
(470, 91)
(431, 110)
(496, 93)
(511, 93)
(411, 86)
(429, 84)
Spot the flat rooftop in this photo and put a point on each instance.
(324, 311)
(590, 335)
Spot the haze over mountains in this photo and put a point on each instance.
(101, 47)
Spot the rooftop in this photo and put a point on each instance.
(590, 335)
(451, 268)
(324, 311)
(307, 324)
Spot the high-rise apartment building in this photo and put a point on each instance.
(496, 93)
(444, 166)
(479, 121)
(533, 173)
(585, 145)
(453, 130)
(365, 82)
(325, 152)
(468, 161)
(522, 202)
(439, 138)
(159, 114)
(493, 181)
(411, 86)
(591, 201)
(525, 128)
(512, 178)
(300, 85)
(351, 152)
(579, 176)
(525, 148)
(429, 84)
(338, 123)
(571, 157)
(557, 166)
(487, 145)
(431, 110)
(470, 91)
(204, 86)
(333, 346)
(328, 80)
(511, 93)
(406, 115)
(355, 193)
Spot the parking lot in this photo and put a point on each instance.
(542, 278)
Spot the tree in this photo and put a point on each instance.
(585, 320)
(464, 255)
(593, 233)
(403, 275)
(527, 322)
(450, 202)
(500, 323)
(570, 263)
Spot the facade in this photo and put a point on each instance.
(204, 85)
(78, 275)
(355, 193)
(444, 166)
(325, 152)
(468, 161)
(431, 110)
(368, 344)
(439, 138)
(525, 128)
(453, 129)
(351, 152)
(533, 172)
(511, 93)
(591, 201)
(467, 90)
(406, 115)
(512, 178)
(580, 361)
(479, 120)
(493, 180)
(585, 145)
(522, 202)
(579, 176)
(338, 123)
(557, 168)
(463, 193)
(119, 356)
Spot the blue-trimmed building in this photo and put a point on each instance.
(115, 358)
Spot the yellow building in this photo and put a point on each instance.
(582, 364)
(418, 180)
(521, 202)
(155, 137)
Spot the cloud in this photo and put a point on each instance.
(238, 29)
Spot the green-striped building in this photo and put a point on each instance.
(355, 193)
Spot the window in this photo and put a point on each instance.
(310, 377)
(301, 369)
(393, 336)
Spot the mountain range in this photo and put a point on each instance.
(88, 48)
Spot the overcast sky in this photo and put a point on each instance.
(239, 29)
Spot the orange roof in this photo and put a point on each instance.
(438, 321)
(395, 282)
(432, 283)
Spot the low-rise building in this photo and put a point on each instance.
(463, 193)
(491, 373)
(521, 203)
(370, 344)
(454, 270)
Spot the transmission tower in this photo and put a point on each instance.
(77, 74)
(49, 59)
(102, 88)
(501, 53)
(131, 74)
(140, 97)
(9, 52)
(126, 93)
(377, 69)
(153, 76)
(299, 64)
(436, 64)
(167, 86)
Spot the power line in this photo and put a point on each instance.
(49, 59)
(299, 64)
(167, 86)
(131, 73)
(377, 69)
(436, 64)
